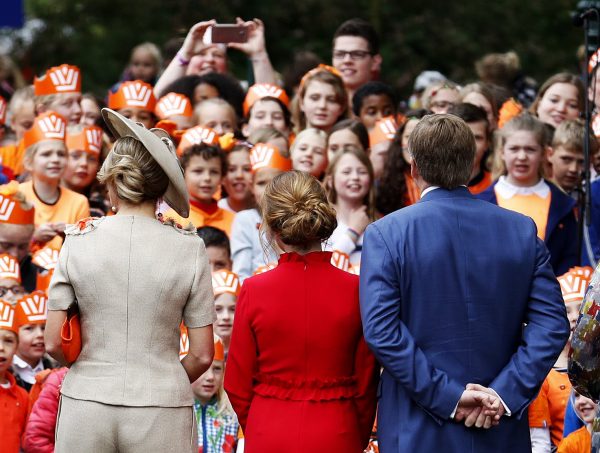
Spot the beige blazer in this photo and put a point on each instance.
(134, 279)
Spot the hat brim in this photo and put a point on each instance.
(176, 195)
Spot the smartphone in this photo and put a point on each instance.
(226, 33)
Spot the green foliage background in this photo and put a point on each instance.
(448, 35)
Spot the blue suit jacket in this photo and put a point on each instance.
(446, 287)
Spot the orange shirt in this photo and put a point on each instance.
(486, 181)
(413, 194)
(531, 205)
(14, 409)
(548, 409)
(579, 441)
(11, 156)
(202, 214)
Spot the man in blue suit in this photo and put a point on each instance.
(457, 296)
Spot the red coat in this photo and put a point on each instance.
(299, 374)
(39, 434)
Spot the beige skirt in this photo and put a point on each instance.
(92, 427)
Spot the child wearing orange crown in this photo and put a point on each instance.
(86, 148)
(10, 279)
(59, 90)
(247, 251)
(14, 401)
(46, 160)
(238, 179)
(547, 412)
(226, 287)
(216, 420)
(134, 100)
(266, 105)
(30, 313)
(175, 107)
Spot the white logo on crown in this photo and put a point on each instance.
(137, 95)
(199, 135)
(573, 286)
(94, 139)
(46, 258)
(7, 315)
(260, 156)
(265, 268)
(53, 127)
(9, 267)
(34, 307)
(224, 281)
(64, 78)
(388, 128)
(340, 260)
(265, 91)
(172, 104)
(184, 344)
(6, 208)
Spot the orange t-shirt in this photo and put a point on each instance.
(532, 205)
(14, 404)
(69, 208)
(548, 409)
(208, 215)
(11, 156)
(579, 441)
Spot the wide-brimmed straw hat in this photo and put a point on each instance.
(176, 195)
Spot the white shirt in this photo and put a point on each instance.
(25, 371)
(507, 190)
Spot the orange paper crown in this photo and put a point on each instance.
(219, 349)
(197, 135)
(383, 131)
(32, 309)
(593, 61)
(265, 268)
(574, 283)
(340, 260)
(89, 139)
(58, 79)
(9, 268)
(8, 318)
(225, 281)
(265, 155)
(173, 104)
(46, 126)
(11, 210)
(46, 258)
(184, 345)
(264, 90)
(508, 111)
(134, 95)
(320, 68)
(2, 110)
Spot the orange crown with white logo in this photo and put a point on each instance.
(340, 260)
(383, 131)
(9, 268)
(574, 283)
(58, 79)
(2, 110)
(184, 341)
(32, 309)
(265, 268)
(197, 135)
(134, 95)
(265, 155)
(46, 126)
(11, 209)
(173, 104)
(219, 349)
(46, 258)
(225, 281)
(8, 318)
(264, 90)
(88, 139)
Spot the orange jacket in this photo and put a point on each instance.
(579, 441)
(14, 409)
(548, 409)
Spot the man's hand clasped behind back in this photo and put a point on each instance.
(479, 407)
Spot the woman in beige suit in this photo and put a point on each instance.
(134, 279)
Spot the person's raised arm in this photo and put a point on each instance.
(256, 50)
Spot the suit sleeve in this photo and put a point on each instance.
(389, 338)
(366, 371)
(241, 360)
(544, 336)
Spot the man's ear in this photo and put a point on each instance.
(376, 63)
(414, 171)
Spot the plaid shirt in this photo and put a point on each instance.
(217, 433)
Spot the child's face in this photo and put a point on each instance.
(69, 106)
(204, 91)
(481, 101)
(320, 105)
(443, 100)
(225, 308)
(217, 117)
(585, 408)
(374, 107)
(351, 179)
(209, 58)
(238, 180)
(572, 314)
(11, 290)
(31, 343)
(90, 112)
(49, 162)
(262, 177)
(218, 258)
(523, 155)
(81, 169)
(207, 385)
(15, 240)
(560, 102)
(8, 348)
(22, 118)
(339, 140)
(567, 167)
(203, 177)
(479, 130)
(309, 155)
(143, 66)
(146, 117)
(266, 113)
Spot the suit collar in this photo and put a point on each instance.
(459, 192)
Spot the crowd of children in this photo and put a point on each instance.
(338, 123)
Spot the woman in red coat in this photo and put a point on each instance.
(299, 374)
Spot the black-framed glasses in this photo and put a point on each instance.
(17, 290)
(355, 55)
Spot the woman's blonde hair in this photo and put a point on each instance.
(295, 209)
(523, 122)
(307, 132)
(132, 171)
